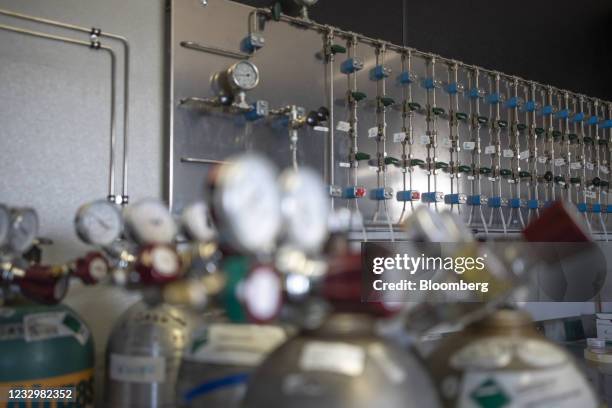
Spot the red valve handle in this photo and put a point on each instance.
(158, 264)
(44, 284)
(92, 268)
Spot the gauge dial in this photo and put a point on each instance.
(244, 75)
(5, 224)
(98, 223)
(197, 222)
(305, 208)
(262, 293)
(23, 229)
(149, 221)
(246, 200)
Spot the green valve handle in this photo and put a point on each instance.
(236, 269)
(414, 106)
(360, 156)
(438, 111)
(483, 120)
(505, 172)
(559, 179)
(539, 130)
(521, 127)
(464, 169)
(556, 134)
(575, 180)
(603, 184)
(416, 162)
(485, 170)
(602, 142)
(277, 9)
(587, 140)
(461, 116)
(337, 49)
(524, 174)
(548, 176)
(441, 165)
(386, 101)
(596, 182)
(573, 138)
(358, 96)
(502, 124)
(391, 160)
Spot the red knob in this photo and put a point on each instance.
(158, 264)
(44, 284)
(92, 268)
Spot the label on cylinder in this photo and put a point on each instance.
(469, 145)
(560, 162)
(139, 369)
(235, 344)
(399, 137)
(336, 357)
(575, 166)
(524, 155)
(42, 326)
(508, 153)
(446, 142)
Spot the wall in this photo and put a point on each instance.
(54, 112)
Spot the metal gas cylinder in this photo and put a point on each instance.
(143, 355)
(46, 346)
(502, 360)
(342, 364)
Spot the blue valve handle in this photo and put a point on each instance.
(380, 194)
(379, 72)
(454, 199)
(494, 98)
(404, 78)
(474, 200)
(596, 208)
(430, 197)
(609, 209)
(582, 207)
(562, 114)
(258, 110)
(514, 203)
(351, 66)
(512, 103)
(547, 110)
(529, 106)
(352, 192)
(494, 202)
(474, 93)
(606, 124)
(452, 88)
(579, 117)
(593, 120)
(405, 195)
(429, 83)
(533, 204)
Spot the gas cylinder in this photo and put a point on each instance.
(503, 361)
(143, 355)
(46, 346)
(342, 364)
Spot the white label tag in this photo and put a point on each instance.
(138, 369)
(575, 166)
(445, 142)
(542, 159)
(424, 139)
(42, 326)
(603, 169)
(399, 137)
(560, 162)
(373, 132)
(508, 153)
(335, 357)
(469, 145)
(590, 166)
(238, 344)
(344, 164)
(490, 150)
(343, 126)
(321, 129)
(590, 194)
(524, 155)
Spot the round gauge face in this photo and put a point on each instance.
(244, 75)
(198, 223)
(305, 208)
(23, 229)
(99, 223)
(165, 261)
(246, 200)
(263, 293)
(5, 224)
(149, 222)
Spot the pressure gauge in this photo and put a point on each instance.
(5, 224)
(197, 222)
(246, 202)
(98, 223)
(23, 229)
(305, 208)
(243, 75)
(149, 221)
